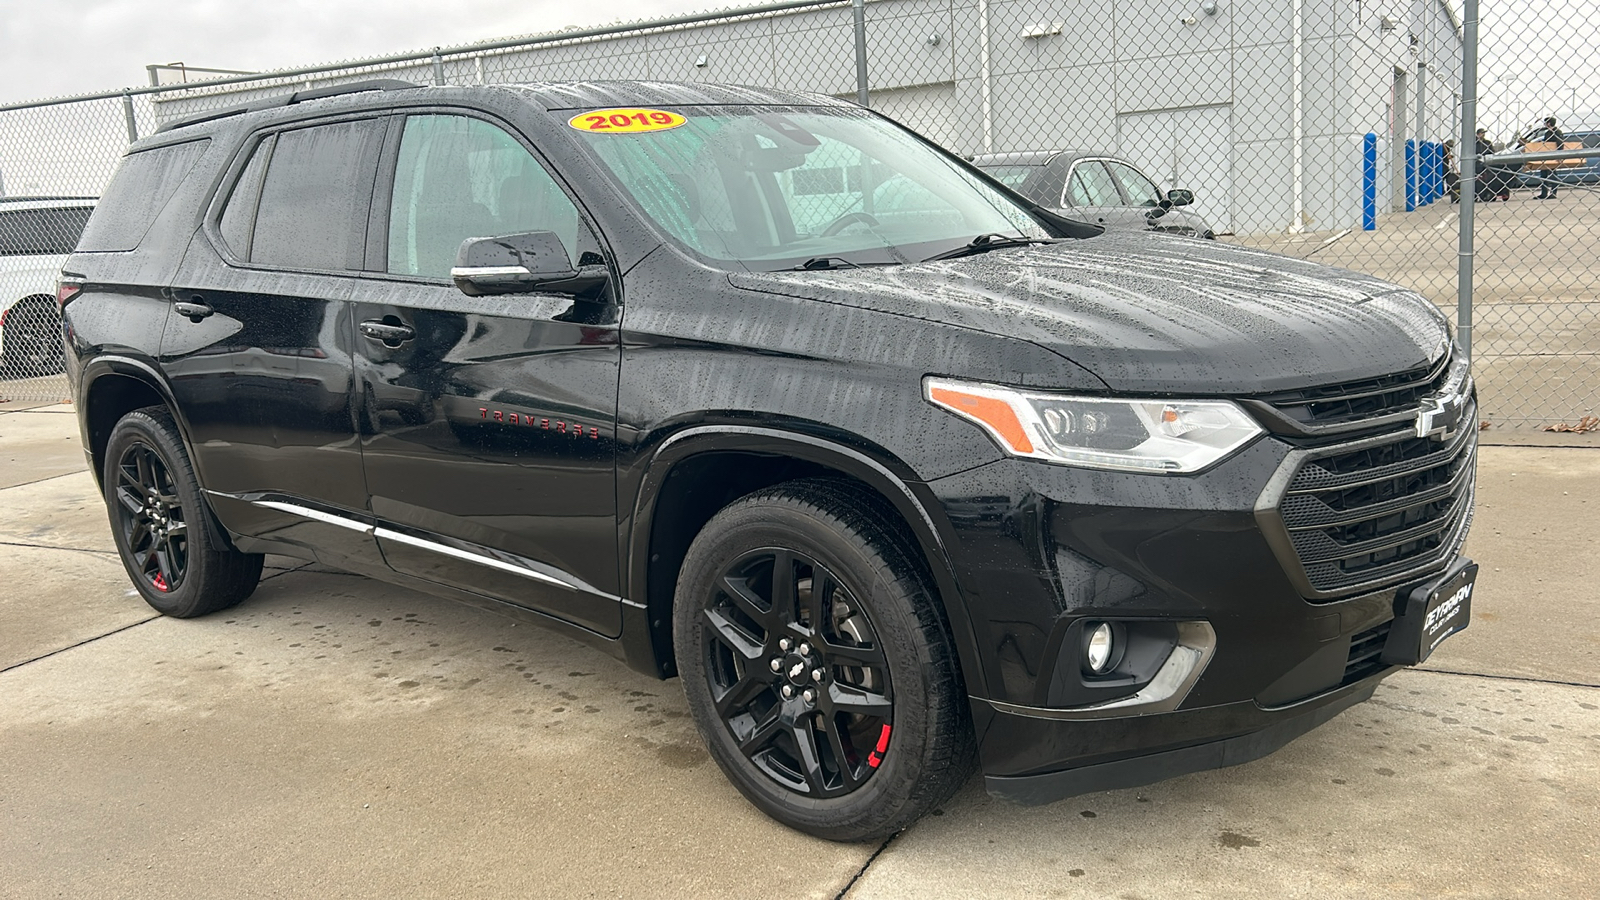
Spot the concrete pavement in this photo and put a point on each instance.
(334, 736)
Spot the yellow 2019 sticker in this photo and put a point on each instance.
(625, 121)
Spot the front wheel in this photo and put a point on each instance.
(816, 665)
(158, 524)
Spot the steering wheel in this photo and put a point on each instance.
(846, 220)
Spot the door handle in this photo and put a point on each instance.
(194, 311)
(392, 334)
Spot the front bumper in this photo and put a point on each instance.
(1231, 734)
(1040, 550)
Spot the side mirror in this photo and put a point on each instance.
(1180, 197)
(534, 261)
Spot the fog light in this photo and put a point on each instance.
(1098, 648)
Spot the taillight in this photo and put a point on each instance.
(65, 291)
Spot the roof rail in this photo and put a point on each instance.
(337, 90)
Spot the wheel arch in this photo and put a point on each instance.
(35, 299)
(112, 387)
(699, 470)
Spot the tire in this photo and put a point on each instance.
(843, 691)
(159, 523)
(32, 336)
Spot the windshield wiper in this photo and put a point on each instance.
(826, 262)
(986, 242)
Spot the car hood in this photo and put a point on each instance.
(1155, 313)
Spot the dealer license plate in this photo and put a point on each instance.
(1431, 613)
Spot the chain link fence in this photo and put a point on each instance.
(1325, 129)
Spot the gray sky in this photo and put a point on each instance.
(58, 47)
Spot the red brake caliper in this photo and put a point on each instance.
(161, 585)
(876, 756)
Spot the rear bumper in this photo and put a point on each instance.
(1217, 737)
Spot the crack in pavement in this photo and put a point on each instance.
(1528, 679)
(866, 865)
(80, 643)
(111, 553)
(43, 480)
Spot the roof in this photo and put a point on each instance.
(45, 202)
(1022, 157)
(554, 95)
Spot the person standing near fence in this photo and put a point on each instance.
(1549, 134)
(1484, 187)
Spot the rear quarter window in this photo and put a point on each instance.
(41, 232)
(144, 183)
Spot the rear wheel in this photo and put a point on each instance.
(32, 338)
(157, 521)
(816, 665)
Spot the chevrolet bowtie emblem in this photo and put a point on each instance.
(1439, 416)
(1432, 408)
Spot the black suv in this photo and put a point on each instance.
(896, 469)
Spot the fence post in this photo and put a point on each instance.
(127, 114)
(1411, 175)
(1469, 171)
(859, 9)
(438, 67)
(1369, 182)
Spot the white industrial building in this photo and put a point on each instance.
(1259, 106)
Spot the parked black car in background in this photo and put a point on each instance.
(1096, 188)
(894, 488)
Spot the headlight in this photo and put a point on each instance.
(1160, 436)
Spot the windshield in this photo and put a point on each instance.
(773, 187)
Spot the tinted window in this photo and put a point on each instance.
(1091, 185)
(41, 232)
(459, 178)
(313, 208)
(240, 213)
(1139, 189)
(144, 182)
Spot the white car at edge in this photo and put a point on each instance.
(36, 234)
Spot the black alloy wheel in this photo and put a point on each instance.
(797, 674)
(816, 661)
(150, 518)
(174, 553)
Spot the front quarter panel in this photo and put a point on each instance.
(701, 356)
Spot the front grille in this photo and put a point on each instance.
(1374, 512)
(1365, 649)
(1356, 401)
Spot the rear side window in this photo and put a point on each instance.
(144, 183)
(41, 232)
(239, 216)
(1139, 189)
(314, 201)
(1091, 185)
